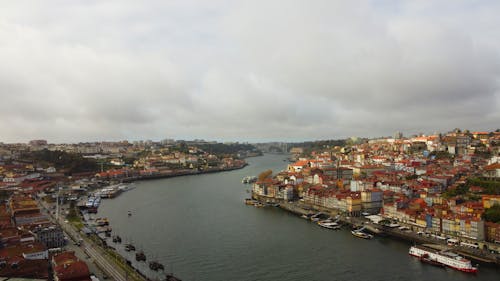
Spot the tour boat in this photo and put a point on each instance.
(446, 258)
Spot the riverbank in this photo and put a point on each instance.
(300, 209)
(184, 172)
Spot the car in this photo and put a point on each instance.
(420, 233)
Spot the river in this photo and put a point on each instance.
(200, 229)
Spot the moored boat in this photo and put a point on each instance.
(154, 265)
(445, 258)
(329, 225)
(426, 259)
(140, 256)
(361, 234)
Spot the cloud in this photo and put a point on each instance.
(238, 70)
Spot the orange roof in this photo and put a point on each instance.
(300, 163)
(492, 167)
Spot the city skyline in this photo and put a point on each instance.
(256, 71)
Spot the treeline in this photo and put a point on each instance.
(70, 162)
(492, 214)
(489, 186)
(226, 149)
(310, 146)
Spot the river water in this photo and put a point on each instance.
(200, 229)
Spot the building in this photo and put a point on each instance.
(67, 267)
(51, 237)
(27, 260)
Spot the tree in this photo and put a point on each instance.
(266, 174)
(492, 214)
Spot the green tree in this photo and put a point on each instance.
(492, 214)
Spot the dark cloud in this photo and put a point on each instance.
(238, 70)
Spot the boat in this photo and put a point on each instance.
(97, 202)
(361, 234)
(117, 239)
(316, 217)
(90, 202)
(445, 258)
(154, 265)
(250, 201)
(171, 277)
(425, 258)
(102, 221)
(129, 213)
(329, 225)
(140, 256)
(129, 247)
(249, 179)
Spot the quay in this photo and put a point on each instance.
(300, 209)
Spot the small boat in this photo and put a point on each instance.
(117, 239)
(140, 256)
(250, 201)
(154, 265)
(249, 179)
(361, 234)
(329, 225)
(129, 213)
(129, 247)
(171, 277)
(316, 217)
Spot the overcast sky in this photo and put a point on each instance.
(246, 70)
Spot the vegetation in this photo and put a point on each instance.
(225, 149)
(310, 146)
(4, 195)
(441, 155)
(264, 175)
(492, 214)
(489, 186)
(460, 190)
(411, 177)
(72, 162)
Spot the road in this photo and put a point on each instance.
(89, 248)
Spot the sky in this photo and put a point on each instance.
(287, 70)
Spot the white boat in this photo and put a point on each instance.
(90, 202)
(316, 217)
(329, 225)
(446, 258)
(249, 179)
(361, 234)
